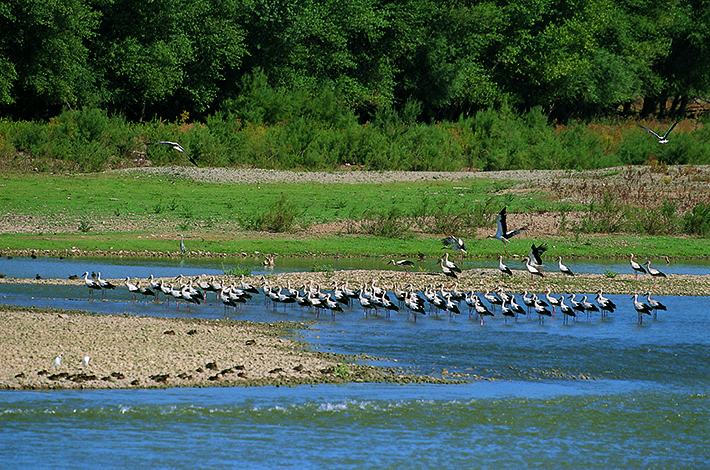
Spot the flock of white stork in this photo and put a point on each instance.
(373, 299)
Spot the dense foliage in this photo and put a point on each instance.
(444, 58)
(318, 84)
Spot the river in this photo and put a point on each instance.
(589, 394)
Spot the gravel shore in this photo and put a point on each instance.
(148, 352)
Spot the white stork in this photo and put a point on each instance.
(502, 233)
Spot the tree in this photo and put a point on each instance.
(43, 59)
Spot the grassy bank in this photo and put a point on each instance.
(135, 214)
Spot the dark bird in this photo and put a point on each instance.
(502, 233)
(661, 139)
(536, 254)
(178, 147)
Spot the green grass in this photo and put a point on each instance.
(210, 216)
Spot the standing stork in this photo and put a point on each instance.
(636, 267)
(662, 139)
(641, 308)
(450, 264)
(182, 243)
(132, 288)
(563, 269)
(449, 272)
(402, 263)
(503, 268)
(533, 270)
(456, 244)
(655, 305)
(655, 273)
(91, 285)
(502, 232)
(178, 147)
(105, 285)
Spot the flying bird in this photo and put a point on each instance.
(456, 244)
(664, 138)
(503, 234)
(535, 254)
(179, 148)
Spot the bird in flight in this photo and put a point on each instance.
(661, 139)
(454, 243)
(178, 147)
(503, 234)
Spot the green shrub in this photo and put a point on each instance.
(697, 220)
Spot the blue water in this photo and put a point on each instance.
(118, 268)
(598, 394)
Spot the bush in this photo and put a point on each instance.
(697, 220)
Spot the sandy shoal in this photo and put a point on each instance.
(145, 352)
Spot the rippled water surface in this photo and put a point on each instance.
(597, 394)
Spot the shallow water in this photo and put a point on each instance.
(119, 268)
(608, 394)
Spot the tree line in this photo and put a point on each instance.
(427, 60)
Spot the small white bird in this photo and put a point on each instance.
(661, 139)
(178, 147)
(57, 362)
(182, 243)
(85, 361)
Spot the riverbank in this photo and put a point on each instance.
(148, 352)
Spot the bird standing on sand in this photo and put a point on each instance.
(503, 268)
(636, 267)
(502, 233)
(85, 361)
(447, 270)
(178, 147)
(57, 362)
(533, 270)
(655, 273)
(563, 269)
(664, 138)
